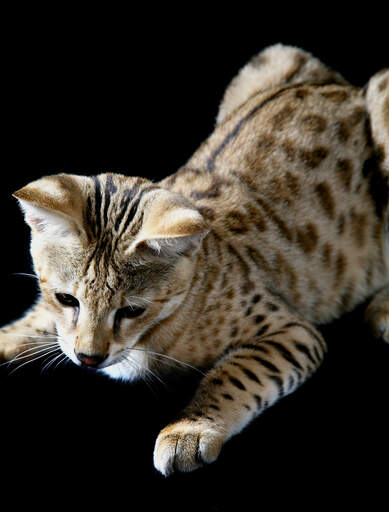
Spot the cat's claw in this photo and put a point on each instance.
(187, 445)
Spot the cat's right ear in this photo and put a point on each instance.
(53, 205)
(171, 227)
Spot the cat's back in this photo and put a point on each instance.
(301, 148)
(289, 180)
(302, 127)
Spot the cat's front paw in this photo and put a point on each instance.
(9, 345)
(187, 445)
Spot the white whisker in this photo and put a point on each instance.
(130, 362)
(45, 354)
(165, 361)
(25, 274)
(29, 335)
(52, 360)
(64, 359)
(142, 299)
(183, 363)
(155, 376)
(147, 372)
(40, 346)
(30, 352)
(38, 343)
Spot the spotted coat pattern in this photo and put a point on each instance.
(292, 191)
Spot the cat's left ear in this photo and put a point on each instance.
(171, 226)
(53, 205)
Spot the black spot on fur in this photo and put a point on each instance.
(378, 184)
(237, 383)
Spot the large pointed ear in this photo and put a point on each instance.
(171, 226)
(53, 205)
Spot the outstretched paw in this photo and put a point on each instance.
(187, 445)
(25, 345)
(9, 345)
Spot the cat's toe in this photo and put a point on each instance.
(186, 445)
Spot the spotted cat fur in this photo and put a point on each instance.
(277, 223)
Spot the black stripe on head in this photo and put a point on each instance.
(110, 189)
(127, 196)
(134, 208)
(89, 214)
(97, 204)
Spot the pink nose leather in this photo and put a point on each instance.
(92, 360)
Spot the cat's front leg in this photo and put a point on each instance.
(250, 377)
(30, 336)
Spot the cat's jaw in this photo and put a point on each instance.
(130, 368)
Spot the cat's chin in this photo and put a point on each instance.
(120, 372)
(128, 369)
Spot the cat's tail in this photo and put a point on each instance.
(377, 100)
(275, 66)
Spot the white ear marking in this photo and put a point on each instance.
(46, 221)
(53, 205)
(172, 226)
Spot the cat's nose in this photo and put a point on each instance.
(90, 360)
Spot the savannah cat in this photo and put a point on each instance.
(276, 224)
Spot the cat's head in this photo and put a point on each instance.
(114, 256)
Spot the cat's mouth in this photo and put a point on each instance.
(97, 362)
(94, 361)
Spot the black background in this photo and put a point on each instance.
(137, 92)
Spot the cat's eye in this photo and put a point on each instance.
(67, 300)
(129, 312)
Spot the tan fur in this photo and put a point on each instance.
(377, 99)
(275, 65)
(276, 224)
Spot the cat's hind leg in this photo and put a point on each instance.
(29, 337)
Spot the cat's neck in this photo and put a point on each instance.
(168, 332)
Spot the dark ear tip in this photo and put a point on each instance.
(20, 194)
